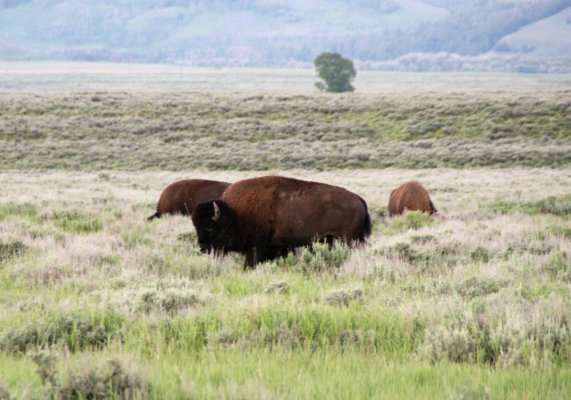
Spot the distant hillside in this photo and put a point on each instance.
(273, 32)
(549, 37)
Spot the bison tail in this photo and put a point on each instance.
(155, 215)
(366, 227)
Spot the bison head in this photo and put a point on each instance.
(214, 222)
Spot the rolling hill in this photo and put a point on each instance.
(277, 32)
(549, 37)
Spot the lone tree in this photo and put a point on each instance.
(336, 71)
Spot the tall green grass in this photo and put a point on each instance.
(473, 305)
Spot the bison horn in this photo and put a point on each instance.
(216, 216)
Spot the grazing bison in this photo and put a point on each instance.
(181, 197)
(410, 196)
(265, 217)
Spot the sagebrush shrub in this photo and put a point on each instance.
(75, 221)
(501, 330)
(11, 249)
(46, 367)
(344, 297)
(169, 301)
(27, 210)
(73, 331)
(474, 287)
(322, 257)
(113, 379)
(556, 205)
(470, 393)
(277, 287)
(4, 393)
(224, 337)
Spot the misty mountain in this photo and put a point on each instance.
(374, 33)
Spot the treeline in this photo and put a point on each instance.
(167, 31)
(433, 62)
(468, 31)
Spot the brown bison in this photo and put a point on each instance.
(181, 197)
(265, 217)
(410, 196)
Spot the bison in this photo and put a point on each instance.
(266, 217)
(410, 196)
(181, 197)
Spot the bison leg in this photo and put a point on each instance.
(251, 259)
(256, 255)
(330, 240)
(276, 252)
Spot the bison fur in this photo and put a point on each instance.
(265, 217)
(181, 197)
(411, 196)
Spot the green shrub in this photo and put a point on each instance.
(556, 205)
(480, 254)
(563, 231)
(75, 332)
(344, 297)
(26, 210)
(76, 222)
(46, 367)
(323, 257)
(405, 252)
(422, 239)
(470, 393)
(497, 331)
(559, 266)
(170, 301)
(11, 249)
(4, 393)
(410, 220)
(187, 237)
(113, 379)
(504, 207)
(379, 212)
(277, 287)
(417, 219)
(223, 338)
(475, 287)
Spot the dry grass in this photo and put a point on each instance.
(96, 77)
(116, 299)
(96, 301)
(117, 131)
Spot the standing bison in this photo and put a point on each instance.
(264, 217)
(181, 197)
(410, 196)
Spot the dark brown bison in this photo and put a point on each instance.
(265, 217)
(410, 196)
(181, 197)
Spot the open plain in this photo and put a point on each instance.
(477, 302)
(97, 302)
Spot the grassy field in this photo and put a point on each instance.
(473, 306)
(97, 302)
(174, 131)
(58, 77)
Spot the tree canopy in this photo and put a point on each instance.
(336, 72)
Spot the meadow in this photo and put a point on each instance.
(473, 306)
(181, 131)
(96, 302)
(58, 77)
